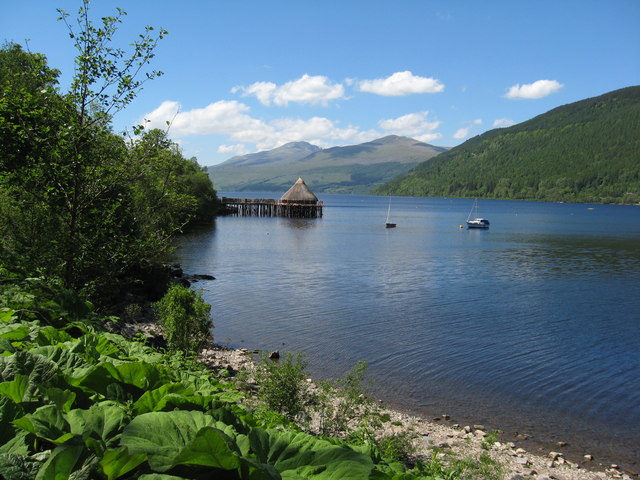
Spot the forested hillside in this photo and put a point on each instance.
(582, 152)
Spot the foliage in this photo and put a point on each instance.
(346, 407)
(78, 202)
(185, 318)
(283, 385)
(398, 446)
(76, 402)
(581, 152)
(490, 439)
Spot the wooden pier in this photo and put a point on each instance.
(298, 202)
(270, 207)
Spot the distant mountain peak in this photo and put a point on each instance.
(306, 145)
(289, 152)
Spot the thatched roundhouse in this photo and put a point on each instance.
(299, 194)
(298, 202)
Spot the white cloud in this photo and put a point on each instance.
(461, 133)
(414, 125)
(503, 122)
(307, 89)
(263, 91)
(401, 83)
(477, 121)
(237, 149)
(223, 117)
(538, 89)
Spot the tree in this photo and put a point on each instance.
(70, 189)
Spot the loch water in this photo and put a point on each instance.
(532, 326)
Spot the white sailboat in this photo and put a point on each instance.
(476, 222)
(389, 224)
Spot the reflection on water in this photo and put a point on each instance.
(533, 324)
(575, 255)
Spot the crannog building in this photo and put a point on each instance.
(298, 202)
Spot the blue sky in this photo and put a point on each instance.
(244, 76)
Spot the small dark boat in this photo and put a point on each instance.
(389, 224)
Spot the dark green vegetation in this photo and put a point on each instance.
(351, 169)
(78, 202)
(184, 315)
(78, 402)
(582, 152)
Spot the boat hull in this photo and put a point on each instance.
(478, 223)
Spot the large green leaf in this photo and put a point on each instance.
(15, 466)
(93, 378)
(210, 448)
(15, 389)
(144, 375)
(40, 370)
(94, 345)
(7, 315)
(299, 455)
(60, 463)
(49, 335)
(6, 348)
(165, 436)
(63, 399)
(118, 462)
(9, 411)
(14, 332)
(46, 422)
(156, 400)
(132, 377)
(66, 360)
(100, 421)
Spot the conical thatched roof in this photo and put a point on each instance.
(299, 193)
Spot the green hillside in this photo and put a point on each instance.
(348, 169)
(588, 151)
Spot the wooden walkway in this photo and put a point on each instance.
(270, 207)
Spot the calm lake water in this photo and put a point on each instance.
(532, 326)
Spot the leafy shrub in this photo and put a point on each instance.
(185, 318)
(397, 446)
(346, 407)
(283, 386)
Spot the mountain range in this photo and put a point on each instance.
(348, 169)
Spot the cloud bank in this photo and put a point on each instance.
(233, 119)
(538, 89)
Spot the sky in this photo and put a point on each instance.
(242, 76)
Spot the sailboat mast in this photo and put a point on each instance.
(389, 210)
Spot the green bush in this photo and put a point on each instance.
(185, 318)
(283, 386)
(398, 446)
(346, 406)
